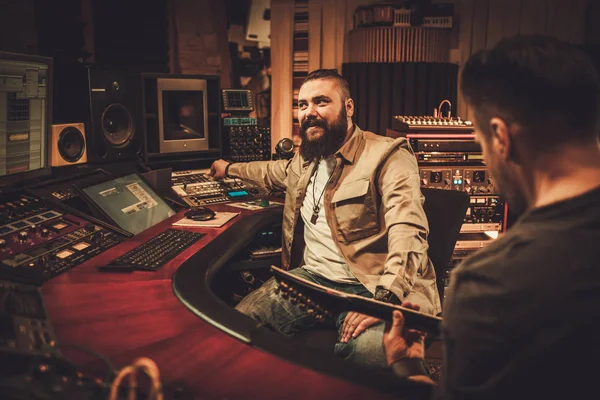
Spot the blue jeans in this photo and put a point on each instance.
(280, 315)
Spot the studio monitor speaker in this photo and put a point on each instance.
(68, 145)
(109, 103)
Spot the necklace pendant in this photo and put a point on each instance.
(313, 219)
(315, 215)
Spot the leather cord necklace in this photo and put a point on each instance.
(316, 207)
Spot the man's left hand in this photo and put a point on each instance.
(355, 324)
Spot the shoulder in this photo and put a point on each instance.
(523, 275)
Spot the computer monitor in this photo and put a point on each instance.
(25, 116)
(182, 114)
(128, 202)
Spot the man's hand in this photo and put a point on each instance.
(218, 168)
(355, 324)
(402, 343)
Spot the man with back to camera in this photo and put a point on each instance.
(522, 316)
(354, 201)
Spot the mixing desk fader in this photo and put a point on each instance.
(38, 241)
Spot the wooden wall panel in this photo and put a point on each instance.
(282, 25)
(315, 25)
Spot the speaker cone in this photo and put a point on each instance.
(117, 125)
(71, 144)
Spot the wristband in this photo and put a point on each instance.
(227, 169)
(410, 367)
(387, 296)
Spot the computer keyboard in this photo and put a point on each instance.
(159, 250)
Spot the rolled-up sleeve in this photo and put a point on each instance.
(266, 174)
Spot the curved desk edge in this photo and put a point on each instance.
(191, 284)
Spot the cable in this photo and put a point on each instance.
(146, 365)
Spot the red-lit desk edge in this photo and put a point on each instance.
(172, 316)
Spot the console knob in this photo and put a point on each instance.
(89, 227)
(44, 232)
(23, 235)
(2, 244)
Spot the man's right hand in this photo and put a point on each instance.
(218, 168)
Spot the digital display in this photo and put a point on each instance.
(237, 193)
(81, 246)
(19, 225)
(59, 226)
(478, 176)
(64, 254)
(34, 220)
(183, 114)
(435, 177)
(5, 229)
(237, 100)
(23, 114)
(130, 203)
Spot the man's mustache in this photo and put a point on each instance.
(313, 122)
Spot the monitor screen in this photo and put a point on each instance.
(182, 113)
(129, 202)
(24, 109)
(237, 100)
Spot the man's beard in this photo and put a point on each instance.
(329, 142)
(508, 189)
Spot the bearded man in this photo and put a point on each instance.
(353, 220)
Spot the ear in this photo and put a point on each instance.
(349, 108)
(502, 142)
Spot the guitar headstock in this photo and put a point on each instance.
(293, 293)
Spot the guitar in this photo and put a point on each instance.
(321, 303)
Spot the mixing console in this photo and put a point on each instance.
(197, 188)
(38, 242)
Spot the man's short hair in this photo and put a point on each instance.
(341, 82)
(547, 86)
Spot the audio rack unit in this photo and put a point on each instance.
(243, 138)
(39, 241)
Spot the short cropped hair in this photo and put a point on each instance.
(547, 86)
(341, 82)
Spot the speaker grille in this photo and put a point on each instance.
(71, 144)
(117, 125)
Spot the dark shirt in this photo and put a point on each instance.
(523, 315)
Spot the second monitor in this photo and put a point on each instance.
(182, 113)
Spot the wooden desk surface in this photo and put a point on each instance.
(128, 315)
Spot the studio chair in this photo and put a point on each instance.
(445, 211)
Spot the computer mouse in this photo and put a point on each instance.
(200, 214)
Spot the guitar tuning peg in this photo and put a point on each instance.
(302, 306)
(285, 295)
(277, 289)
(293, 299)
(311, 312)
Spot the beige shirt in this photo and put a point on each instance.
(321, 255)
(374, 208)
